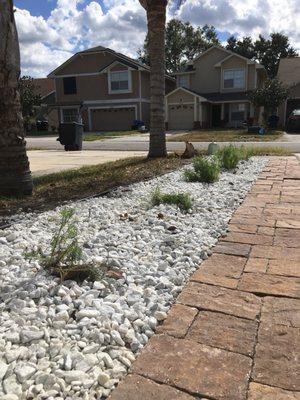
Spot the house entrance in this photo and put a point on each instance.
(216, 116)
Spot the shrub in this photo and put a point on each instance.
(230, 156)
(182, 200)
(205, 170)
(65, 256)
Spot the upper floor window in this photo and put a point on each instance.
(120, 81)
(183, 81)
(234, 78)
(70, 85)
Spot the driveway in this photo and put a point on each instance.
(44, 162)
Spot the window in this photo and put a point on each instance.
(234, 78)
(70, 114)
(119, 81)
(70, 85)
(183, 81)
(237, 112)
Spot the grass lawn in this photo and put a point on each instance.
(90, 137)
(54, 189)
(224, 135)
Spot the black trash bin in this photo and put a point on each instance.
(70, 135)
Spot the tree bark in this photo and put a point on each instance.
(156, 17)
(15, 176)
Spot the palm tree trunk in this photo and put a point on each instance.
(156, 17)
(15, 177)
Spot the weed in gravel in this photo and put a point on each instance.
(205, 170)
(182, 200)
(65, 256)
(230, 156)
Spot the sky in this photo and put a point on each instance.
(51, 31)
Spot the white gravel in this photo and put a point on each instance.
(75, 341)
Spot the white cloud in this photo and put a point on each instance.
(121, 25)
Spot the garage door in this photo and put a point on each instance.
(112, 119)
(181, 116)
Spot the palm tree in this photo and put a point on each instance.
(15, 177)
(156, 18)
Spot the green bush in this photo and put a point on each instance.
(230, 156)
(205, 170)
(182, 200)
(65, 256)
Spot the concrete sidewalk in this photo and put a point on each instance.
(234, 332)
(44, 162)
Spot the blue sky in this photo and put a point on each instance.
(50, 31)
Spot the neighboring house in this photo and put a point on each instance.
(46, 89)
(212, 91)
(108, 89)
(289, 75)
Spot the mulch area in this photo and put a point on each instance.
(234, 332)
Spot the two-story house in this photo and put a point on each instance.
(107, 89)
(289, 75)
(212, 91)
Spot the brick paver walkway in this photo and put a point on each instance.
(234, 332)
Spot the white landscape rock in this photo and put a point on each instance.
(76, 340)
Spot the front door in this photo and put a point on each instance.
(216, 116)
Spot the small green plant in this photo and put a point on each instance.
(65, 256)
(230, 156)
(205, 170)
(182, 200)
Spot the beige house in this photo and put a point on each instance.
(289, 75)
(108, 90)
(212, 91)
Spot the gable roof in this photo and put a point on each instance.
(43, 86)
(189, 67)
(216, 97)
(289, 70)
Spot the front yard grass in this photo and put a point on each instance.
(55, 189)
(224, 135)
(90, 137)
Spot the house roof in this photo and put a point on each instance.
(214, 97)
(189, 66)
(289, 71)
(43, 86)
(99, 49)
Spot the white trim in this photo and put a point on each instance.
(129, 90)
(75, 75)
(232, 53)
(187, 91)
(136, 99)
(218, 64)
(113, 64)
(48, 94)
(108, 107)
(233, 69)
(181, 102)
